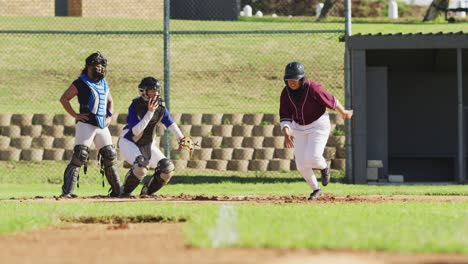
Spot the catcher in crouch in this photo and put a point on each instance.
(136, 140)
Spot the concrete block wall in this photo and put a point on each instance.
(36, 8)
(240, 142)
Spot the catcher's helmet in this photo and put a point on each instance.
(148, 83)
(95, 59)
(294, 71)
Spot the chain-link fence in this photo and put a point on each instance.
(215, 66)
(223, 63)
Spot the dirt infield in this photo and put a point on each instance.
(326, 198)
(163, 243)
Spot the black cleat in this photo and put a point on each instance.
(114, 195)
(315, 194)
(325, 175)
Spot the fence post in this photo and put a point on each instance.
(167, 16)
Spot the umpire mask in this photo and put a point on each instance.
(98, 73)
(98, 64)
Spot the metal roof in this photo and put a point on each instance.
(419, 40)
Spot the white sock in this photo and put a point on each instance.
(310, 178)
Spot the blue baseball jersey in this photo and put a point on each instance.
(93, 97)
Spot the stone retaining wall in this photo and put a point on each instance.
(240, 142)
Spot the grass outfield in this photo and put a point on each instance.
(396, 226)
(30, 179)
(233, 186)
(48, 62)
(415, 226)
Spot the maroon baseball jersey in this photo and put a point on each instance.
(308, 107)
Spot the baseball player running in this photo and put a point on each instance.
(92, 122)
(136, 140)
(306, 125)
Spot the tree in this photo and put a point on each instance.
(436, 7)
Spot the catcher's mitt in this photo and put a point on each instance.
(187, 144)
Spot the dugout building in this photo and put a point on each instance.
(409, 93)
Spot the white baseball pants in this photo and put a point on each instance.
(129, 151)
(86, 134)
(309, 144)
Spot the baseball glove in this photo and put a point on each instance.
(186, 143)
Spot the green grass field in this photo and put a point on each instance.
(44, 179)
(412, 226)
(209, 73)
(359, 226)
(214, 73)
(390, 226)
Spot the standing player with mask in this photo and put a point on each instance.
(93, 118)
(306, 125)
(136, 140)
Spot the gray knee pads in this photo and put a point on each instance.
(80, 155)
(140, 167)
(167, 169)
(108, 155)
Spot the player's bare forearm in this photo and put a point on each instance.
(346, 114)
(110, 110)
(65, 101)
(66, 105)
(288, 138)
(110, 104)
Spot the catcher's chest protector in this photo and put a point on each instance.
(141, 107)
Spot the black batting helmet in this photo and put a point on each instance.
(294, 71)
(148, 83)
(95, 59)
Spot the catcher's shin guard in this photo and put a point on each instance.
(131, 182)
(112, 177)
(72, 172)
(167, 169)
(154, 184)
(108, 159)
(162, 176)
(140, 167)
(135, 174)
(70, 177)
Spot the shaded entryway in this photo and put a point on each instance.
(409, 101)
